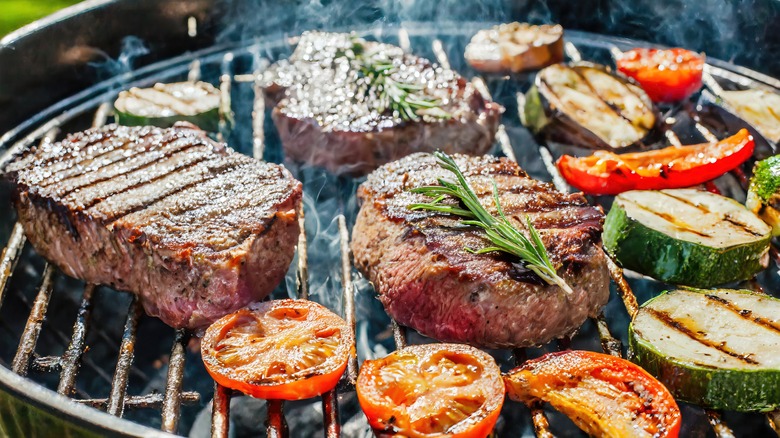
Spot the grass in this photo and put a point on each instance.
(16, 13)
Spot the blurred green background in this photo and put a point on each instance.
(16, 13)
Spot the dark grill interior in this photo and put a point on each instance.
(95, 344)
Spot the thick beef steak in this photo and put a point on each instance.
(428, 281)
(193, 228)
(330, 114)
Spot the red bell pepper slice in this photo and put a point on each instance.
(607, 173)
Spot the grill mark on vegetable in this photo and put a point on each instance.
(614, 108)
(164, 105)
(207, 176)
(685, 201)
(682, 328)
(178, 168)
(165, 155)
(744, 313)
(740, 225)
(669, 218)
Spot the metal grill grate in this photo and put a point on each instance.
(170, 402)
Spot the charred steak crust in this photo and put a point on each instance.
(193, 228)
(425, 279)
(324, 118)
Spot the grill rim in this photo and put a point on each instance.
(94, 419)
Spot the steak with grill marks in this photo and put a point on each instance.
(193, 228)
(329, 114)
(428, 281)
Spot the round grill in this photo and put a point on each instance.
(94, 345)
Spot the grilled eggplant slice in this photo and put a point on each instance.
(515, 47)
(715, 348)
(758, 107)
(686, 236)
(764, 194)
(165, 104)
(586, 105)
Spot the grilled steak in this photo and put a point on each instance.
(428, 281)
(330, 113)
(193, 228)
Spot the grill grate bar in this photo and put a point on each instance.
(21, 362)
(330, 414)
(276, 426)
(629, 299)
(225, 81)
(116, 400)
(258, 119)
(302, 273)
(154, 400)
(349, 294)
(171, 406)
(399, 335)
(10, 257)
(403, 40)
(194, 73)
(505, 143)
(441, 55)
(72, 358)
(220, 412)
(101, 115)
(609, 344)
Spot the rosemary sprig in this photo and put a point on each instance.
(402, 98)
(501, 233)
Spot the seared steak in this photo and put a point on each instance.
(193, 228)
(428, 281)
(329, 113)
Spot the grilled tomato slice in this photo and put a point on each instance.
(602, 394)
(666, 75)
(285, 349)
(432, 390)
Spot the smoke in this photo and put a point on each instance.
(743, 32)
(132, 49)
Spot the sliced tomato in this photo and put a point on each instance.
(666, 75)
(603, 395)
(432, 390)
(607, 173)
(285, 349)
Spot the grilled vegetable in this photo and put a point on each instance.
(165, 104)
(715, 348)
(603, 395)
(286, 349)
(432, 390)
(586, 105)
(686, 236)
(759, 108)
(515, 47)
(666, 75)
(764, 194)
(607, 173)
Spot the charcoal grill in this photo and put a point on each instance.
(88, 361)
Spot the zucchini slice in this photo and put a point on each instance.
(764, 194)
(759, 108)
(165, 104)
(686, 236)
(586, 105)
(715, 348)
